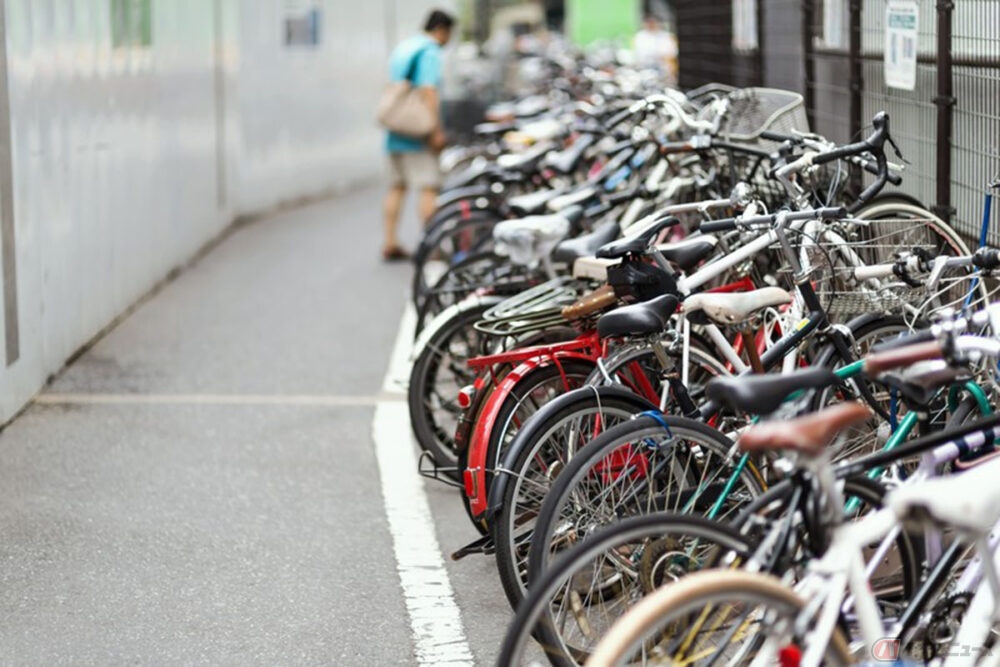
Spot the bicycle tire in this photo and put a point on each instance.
(434, 437)
(533, 616)
(526, 452)
(697, 592)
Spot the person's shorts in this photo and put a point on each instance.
(415, 169)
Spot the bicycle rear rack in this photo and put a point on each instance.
(428, 467)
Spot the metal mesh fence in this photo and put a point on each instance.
(948, 126)
(975, 154)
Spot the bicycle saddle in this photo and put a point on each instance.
(808, 435)
(636, 243)
(688, 253)
(565, 161)
(585, 246)
(639, 319)
(572, 198)
(466, 177)
(494, 129)
(529, 240)
(523, 162)
(735, 307)
(532, 202)
(763, 394)
(969, 501)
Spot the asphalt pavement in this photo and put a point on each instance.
(200, 486)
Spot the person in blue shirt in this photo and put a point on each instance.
(413, 163)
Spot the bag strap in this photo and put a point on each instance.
(411, 71)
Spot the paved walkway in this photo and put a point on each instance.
(201, 487)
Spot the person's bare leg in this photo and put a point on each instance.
(391, 207)
(428, 203)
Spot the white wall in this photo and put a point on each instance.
(125, 161)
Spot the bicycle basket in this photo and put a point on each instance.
(754, 110)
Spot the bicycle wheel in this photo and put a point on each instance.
(571, 606)
(712, 617)
(548, 446)
(438, 373)
(448, 242)
(872, 434)
(539, 452)
(895, 578)
(649, 464)
(637, 368)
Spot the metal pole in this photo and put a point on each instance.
(809, 59)
(759, 60)
(945, 102)
(856, 79)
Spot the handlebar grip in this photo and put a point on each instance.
(777, 136)
(618, 118)
(676, 147)
(832, 212)
(872, 168)
(874, 271)
(987, 258)
(712, 226)
(902, 356)
(903, 341)
(841, 152)
(620, 197)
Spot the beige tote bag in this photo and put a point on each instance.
(402, 110)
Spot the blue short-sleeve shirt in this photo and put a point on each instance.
(427, 73)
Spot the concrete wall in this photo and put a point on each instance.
(124, 160)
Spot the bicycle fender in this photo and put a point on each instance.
(525, 436)
(475, 473)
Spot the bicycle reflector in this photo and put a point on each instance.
(465, 396)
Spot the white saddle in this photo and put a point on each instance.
(527, 241)
(968, 501)
(736, 307)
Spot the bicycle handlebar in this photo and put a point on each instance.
(729, 224)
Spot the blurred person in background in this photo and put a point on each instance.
(656, 47)
(413, 163)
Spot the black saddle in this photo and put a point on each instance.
(763, 394)
(585, 246)
(565, 161)
(688, 253)
(639, 319)
(638, 244)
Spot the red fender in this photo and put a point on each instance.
(475, 471)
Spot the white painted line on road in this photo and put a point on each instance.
(308, 400)
(397, 377)
(436, 622)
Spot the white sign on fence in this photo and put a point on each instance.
(901, 21)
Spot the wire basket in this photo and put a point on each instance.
(847, 244)
(754, 110)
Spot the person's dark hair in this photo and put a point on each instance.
(438, 19)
